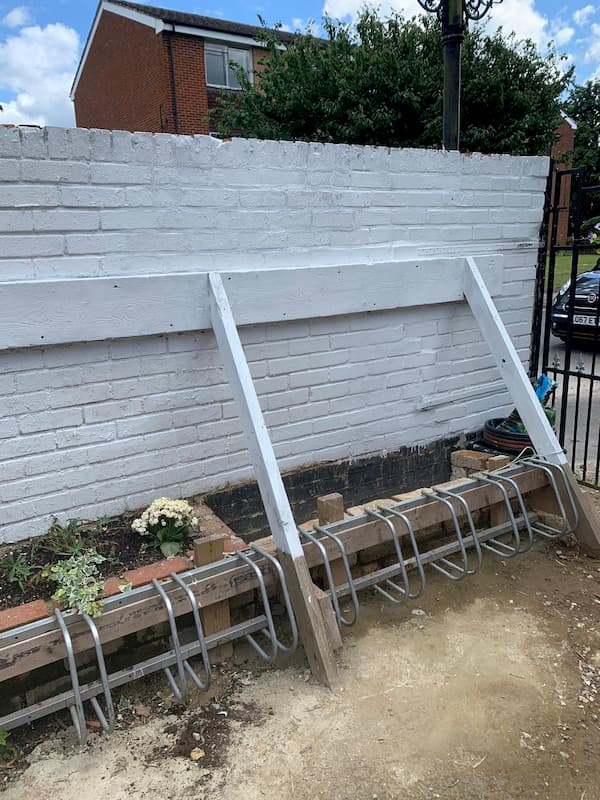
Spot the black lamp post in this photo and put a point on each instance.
(453, 15)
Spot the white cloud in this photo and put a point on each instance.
(563, 35)
(300, 24)
(17, 18)
(36, 70)
(582, 15)
(520, 16)
(344, 9)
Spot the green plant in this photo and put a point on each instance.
(78, 586)
(63, 540)
(67, 540)
(15, 569)
(379, 82)
(167, 522)
(8, 751)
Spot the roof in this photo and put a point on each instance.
(569, 120)
(198, 21)
(180, 22)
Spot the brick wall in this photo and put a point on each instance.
(97, 428)
(190, 82)
(126, 82)
(562, 151)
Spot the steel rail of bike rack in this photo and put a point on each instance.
(269, 630)
(76, 705)
(286, 599)
(450, 548)
(543, 529)
(183, 666)
(177, 656)
(404, 590)
(438, 557)
(521, 503)
(342, 620)
(107, 721)
(415, 549)
(463, 571)
(497, 547)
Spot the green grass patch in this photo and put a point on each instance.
(562, 266)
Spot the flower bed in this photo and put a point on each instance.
(129, 560)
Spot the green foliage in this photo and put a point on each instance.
(16, 569)
(380, 83)
(589, 225)
(77, 579)
(8, 752)
(66, 540)
(583, 106)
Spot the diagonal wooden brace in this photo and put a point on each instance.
(311, 624)
(529, 407)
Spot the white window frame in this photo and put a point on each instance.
(220, 46)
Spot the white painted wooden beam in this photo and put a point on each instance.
(510, 366)
(277, 506)
(529, 407)
(38, 313)
(309, 616)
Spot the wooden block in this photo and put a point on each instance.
(416, 494)
(311, 625)
(330, 508)
(209, 549)
(469, 459)
(497, 462)
(331, 624)
(217, 617)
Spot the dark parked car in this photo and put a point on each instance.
(585, 322)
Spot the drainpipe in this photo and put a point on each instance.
(172, 72)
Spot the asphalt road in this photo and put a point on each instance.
(583, 406)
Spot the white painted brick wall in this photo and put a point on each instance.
(97, 428)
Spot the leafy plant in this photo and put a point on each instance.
(16, 569)
(67, 540)
(379, 82)
(8, 751)
(168, 522)
(78, 586)
(63, 540)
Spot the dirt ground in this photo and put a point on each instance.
(484, 689)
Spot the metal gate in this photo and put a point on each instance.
(565, 340)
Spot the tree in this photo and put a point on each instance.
(380, 83)
(583, 106)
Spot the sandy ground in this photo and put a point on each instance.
(485, 689)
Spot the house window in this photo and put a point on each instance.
(222, 63)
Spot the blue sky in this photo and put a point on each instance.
(40, 42)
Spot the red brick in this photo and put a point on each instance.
(22, 615)
(113, 586)
(158, 570)
(234, 544)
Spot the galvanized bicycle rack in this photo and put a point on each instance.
(439, 558)
(178, 655)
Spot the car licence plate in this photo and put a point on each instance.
(583, 319)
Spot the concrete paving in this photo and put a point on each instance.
(583, 407)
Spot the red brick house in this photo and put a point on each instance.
(154, 69)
